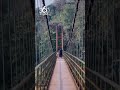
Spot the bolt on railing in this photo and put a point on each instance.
(77, 68)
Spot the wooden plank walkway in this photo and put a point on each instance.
(62, 78)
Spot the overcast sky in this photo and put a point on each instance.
(48, 2)
(39, 2)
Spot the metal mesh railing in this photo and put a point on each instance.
(77, 68)
(43, 72)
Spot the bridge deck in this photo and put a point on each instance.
(62, 78)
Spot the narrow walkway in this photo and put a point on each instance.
(62, 79)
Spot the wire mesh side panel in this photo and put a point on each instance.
(102, 45)
(17, 48)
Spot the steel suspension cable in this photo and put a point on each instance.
(48, 26)
(73, 24)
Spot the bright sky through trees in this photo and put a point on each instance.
(38, 2)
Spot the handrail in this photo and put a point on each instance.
(43, 61)
(24, 81)
(102, 78)
(77, 68)
(75, 57)
(44, 71)
(76, 64)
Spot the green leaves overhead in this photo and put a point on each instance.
(64, 16)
